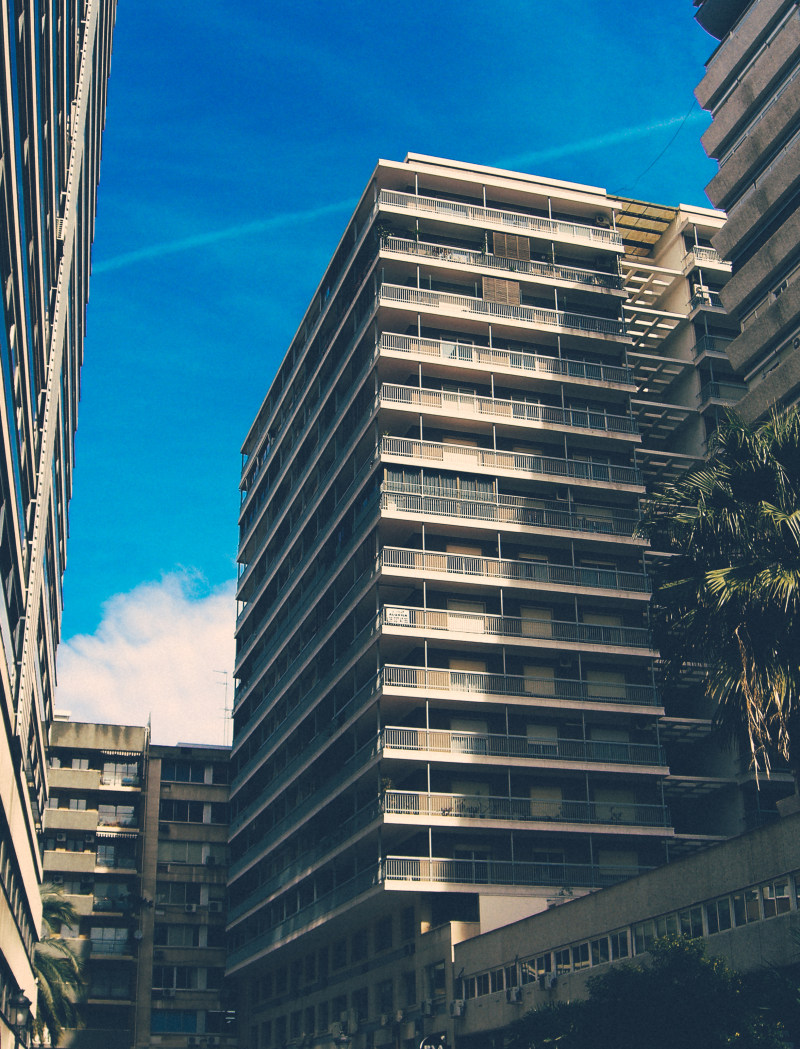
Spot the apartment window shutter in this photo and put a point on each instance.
(504, 291)
(512, 246)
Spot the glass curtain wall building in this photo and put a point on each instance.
(55, 61)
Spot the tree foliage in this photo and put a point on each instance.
(728, 596)
(682, 999)
(59, 971)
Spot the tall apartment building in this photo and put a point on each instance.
(752, 89)
(445, 715)
(55, 60)
(136, 838)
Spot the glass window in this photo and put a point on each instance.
(482, 984)
(619, 944)
(775, 898)
(562, 961)
(644, 936)
(169, 1021)
(385, 993)
(580, 956)
(600, 951)
(511, 976)
(496, 980)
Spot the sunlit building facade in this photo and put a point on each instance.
(55, 62)
(446, 715)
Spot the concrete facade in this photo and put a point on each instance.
(55, 60)
(740, 896)
(752, 89)
(136, 837)
(445, 715)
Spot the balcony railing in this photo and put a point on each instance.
(522, 411)
(519, 462)
(516, 571)
(397, 293)
(481, 744)
(711, 344)
(463, 256)
(722, 391)
(507, 509)
(522, 810)
(111, 946)
(702, 253)
(706, 297)
(558, 689)
(459, 353)
(504, 872)
(481, 624)
(517, 220)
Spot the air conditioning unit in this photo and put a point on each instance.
(190, 908)
(336, 1030)
(514, 994)
(215, 907)
(427, 1007)
(398, 1016)
(550, 981)
(61, 835)
(457, 1007)
(57, 879)
(602, 220)
(384, 1019)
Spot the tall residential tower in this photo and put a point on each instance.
(55, 61)
(445, 715)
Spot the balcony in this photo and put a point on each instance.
(469, 305)
(524, 748)
(503, 872)
(711, 344)
(513, 628)
(506, 219)
(461, 353)
(706, 297)
(464, 257)
(552, 690)
(729, 392)
(420, 804)
(499, 569)
(472, 405)
(466, 456)
(700, 254)
(510, 510)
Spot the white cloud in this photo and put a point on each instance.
(156, 652)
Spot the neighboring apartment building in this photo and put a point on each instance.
(752, 89)
(742, 897)
(55, 59)
(135, 836)
(445, 716)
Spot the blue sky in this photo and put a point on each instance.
(238, 136)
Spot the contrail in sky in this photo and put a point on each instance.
(537, 156)
(199, 240)
(587, 145)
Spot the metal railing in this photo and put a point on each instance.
(111, 946)
(726, 391)
(522, 810)
(522, 462)
(706, 297)
(517, 410)
(703, 254)
(504, 872)
(445, 253)
(529, 314)
(555, 630)
(499, 216)
(507, 509)
(482, 744)
(547, 688)
(711, 344)
(516, 571)
(460, 353)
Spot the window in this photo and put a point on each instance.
(619, 944)
(775, 898)
(385, 994)
(496, 980)
(746, 907)
(436, 980)
(323, 1020)
(383, 934)
(339, 954)
(410, 988)
(182, 772)
(176, 935)
(482, 984)
(718, 915)
(360, 1002)
(562, 961)
(172, 1021)
(177, 892)
(511, 976)
(580, 956)
(600, 951)
(407, 923)
(358, 949)
(181, 811)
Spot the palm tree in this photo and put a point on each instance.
(728, 595)
(59, 970)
